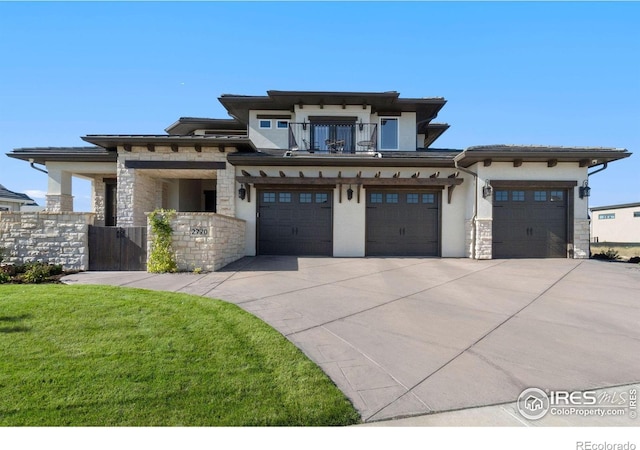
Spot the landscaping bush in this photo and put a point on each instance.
(162, 258)
(608, 255)
(31, 272)
(634, 259)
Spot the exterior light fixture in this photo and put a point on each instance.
(584, 190)
(242, 193)
(487, 190)
(349, 193)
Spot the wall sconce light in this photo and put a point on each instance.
(360, 125)
(584, 190)
(349, 193)
(487, 190)
(242, 193)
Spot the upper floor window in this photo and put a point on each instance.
(265, 123)
(636, 214)
(606, 216)
(389, 133)
(282, 124)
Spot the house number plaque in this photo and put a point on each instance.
(198, 231)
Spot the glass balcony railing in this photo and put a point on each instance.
(333, 137)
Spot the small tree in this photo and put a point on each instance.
(161, 259)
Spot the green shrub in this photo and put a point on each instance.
(608, 255)
(4, 277)
(37, 271)
(161, 259)
(9, 270)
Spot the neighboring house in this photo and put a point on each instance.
(14, 201)
(345, 174)
(616, 223)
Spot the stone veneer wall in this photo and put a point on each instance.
(59, 202)
(136, 196)
(581, 238)
(484, 238)
(207, 241)
(99, 198)
(138, 193)
(57, 238)
(468, 238)
(484, 235)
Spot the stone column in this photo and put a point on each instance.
(484, 238)
(98, 199)
(59, 198)
(226, 191)
(581, 239)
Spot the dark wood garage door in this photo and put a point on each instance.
(530, 223)
(402, 223)
(295, 222)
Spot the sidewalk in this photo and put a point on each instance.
(507, 415)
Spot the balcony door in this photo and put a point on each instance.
(333, 134)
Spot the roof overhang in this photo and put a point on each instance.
(112, 142)
(440, 158)
(188, 125)
(238, 106)
(41, 155)
(585, 156)
(432, 131)
(621, 206)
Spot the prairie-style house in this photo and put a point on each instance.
(342, 174)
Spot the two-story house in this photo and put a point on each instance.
(14, 201)
(344, 174)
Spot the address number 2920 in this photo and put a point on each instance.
(197, 231)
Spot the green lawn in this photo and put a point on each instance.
(97, 355)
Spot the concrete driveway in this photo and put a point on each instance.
(409, 336)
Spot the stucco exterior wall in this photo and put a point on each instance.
(278, 138)
(57, 238)
(349, 217)
(407, 140)
(273, 137)
(625, 227)
(59, 190)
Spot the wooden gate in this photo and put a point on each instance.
(117, 248)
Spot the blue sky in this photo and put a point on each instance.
(513, 73)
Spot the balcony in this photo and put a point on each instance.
(333, 137)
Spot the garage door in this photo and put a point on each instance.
(530, 223)
(294, 222)
(402, 223)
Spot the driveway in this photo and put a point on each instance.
(409, 336)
